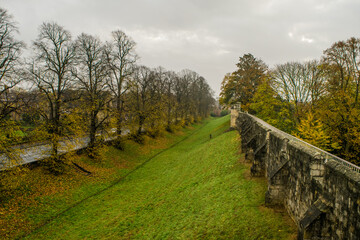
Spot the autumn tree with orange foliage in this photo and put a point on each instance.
(321, 98)
(339, 109)
(241, 85)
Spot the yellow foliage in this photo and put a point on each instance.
(341, 117)
(9, 179)
(268, 106)
(313, 131)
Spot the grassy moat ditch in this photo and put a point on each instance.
(190, 187)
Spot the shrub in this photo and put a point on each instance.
(212, 114)
(224, 113)
(118, 143)
(138, 138)
(189, 120)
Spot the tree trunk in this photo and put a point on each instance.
(141, 123)
(119, 109)
(56, 130)
(92, 134)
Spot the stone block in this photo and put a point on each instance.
(297, 175)
(315, 173)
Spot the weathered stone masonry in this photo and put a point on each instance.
(320, 192)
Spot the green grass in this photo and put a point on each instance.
(38, 196)
(194, 190)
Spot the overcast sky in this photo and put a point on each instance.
(207, 36)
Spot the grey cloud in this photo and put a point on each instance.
(207, 36)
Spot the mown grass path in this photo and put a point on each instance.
(194, 190)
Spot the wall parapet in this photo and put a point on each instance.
(320, 191)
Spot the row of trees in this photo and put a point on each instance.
(85, 86)
(315, 100)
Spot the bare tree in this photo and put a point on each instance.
(299, 83)
(353, 50)
(91, 74)
(51, 73)
(11, 98)
(314, 76)
(203, 97)
(187, 82)
(169, 98)
(338, 66)
(289, 81)
(141, 95)
(121, 58)
(343, 60)
(10, 50)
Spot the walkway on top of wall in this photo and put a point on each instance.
(324, 154)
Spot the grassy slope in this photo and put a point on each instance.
(40, 195)
(195, 190)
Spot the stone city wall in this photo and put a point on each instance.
(320, 191)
